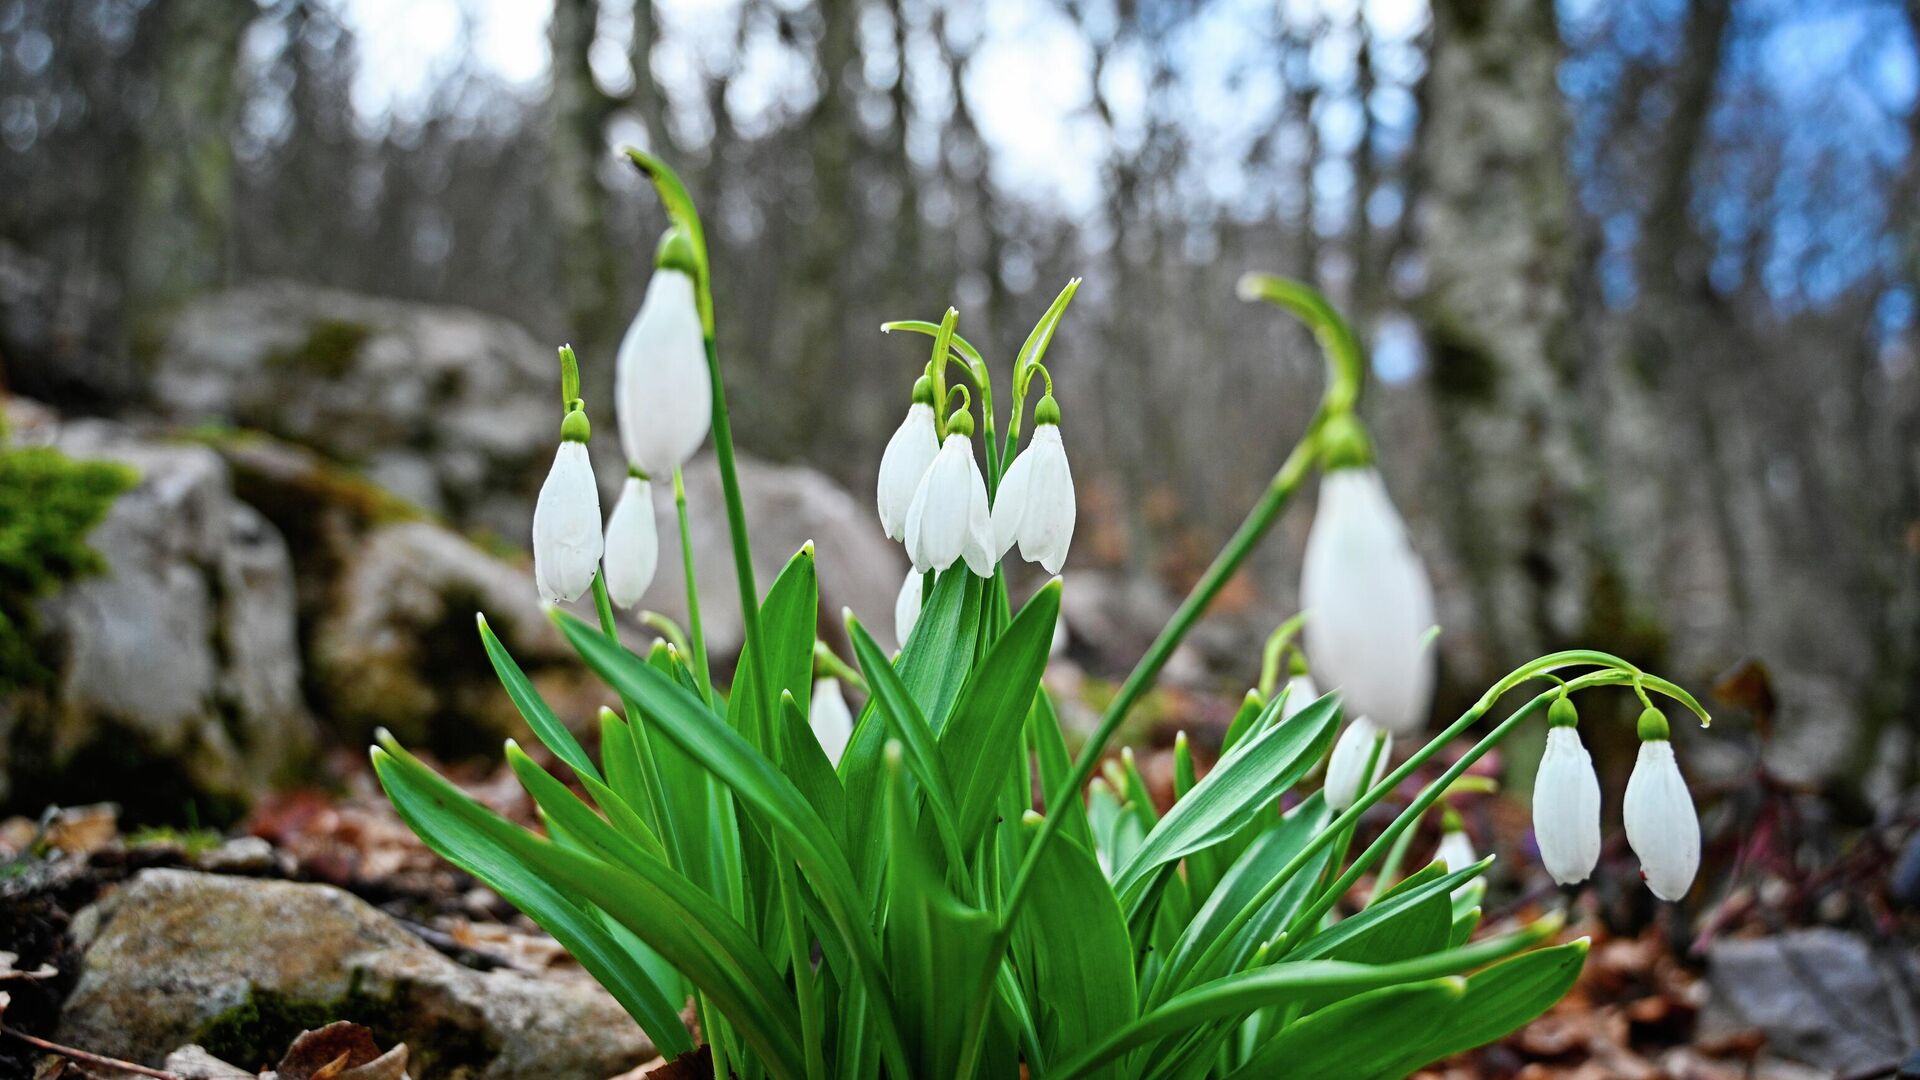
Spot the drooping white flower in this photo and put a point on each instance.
(1300, 693)
(1662, 826)
(663, 393)
(948, 519)
(1370, 603)
(1456, 850)
(909, 452)
(566, 526)
(831, 719)
(1347, 773)
(906, 606)
(1566, 801)
(633, 543)
(1034, 504)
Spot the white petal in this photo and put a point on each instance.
(1661, 824)
(1045, 530)
(1456, 850)
(1300, 693)
(1010, 501)
(830, 718)
(1566, 808)
(1369, 603)
(1347, 767)
(978, 550)
(633, 543)
(663, 392)
(566, 526)
(909, 452)
(906, 606)
(939, 520)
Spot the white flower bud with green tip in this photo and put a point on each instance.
(1662, 826)
(1456, 847)
(948, 519)
(663, 392)
(1369, 601)
(906, 606)
(1566, 800)
(633, 543)
(1347, 774)
(909, 452)
(830, 718)
(1035, 504)
(1300, 693)
(566, 519)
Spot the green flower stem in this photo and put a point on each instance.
(697, 638)
(1337, 339)
(825, 659)
(800, 950)
(1029, 356)
(1276, 647)
(663, 823)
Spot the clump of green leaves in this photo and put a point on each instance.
(49, 502)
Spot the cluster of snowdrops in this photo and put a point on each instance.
(882, 894)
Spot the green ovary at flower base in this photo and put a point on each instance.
(873, 893)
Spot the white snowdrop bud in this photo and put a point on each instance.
(1034, 504)
(831, 719)
(1347, 767)
(1369, 602)
(948, 519)
(1566, 800)
(663, 393)
(906, 606)
(1662, 826)
(566, 526)
(909, 452)
(1456, 849)
(633, 543)
(1300, 693)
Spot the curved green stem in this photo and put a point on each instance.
(1275, 648)
(697, 641)
(1346, 363)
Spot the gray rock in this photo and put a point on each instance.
(454, 410)
(182, 659)
(1824, 998)
(240, 966)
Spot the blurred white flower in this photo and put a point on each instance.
(906, 606)
(1300, 693)
(1566, 802)
(1370, 603)
(1456, 850)
(566, 526)
(831, 719)
(948, 519)
(1662, 826)
(909, 452)
(663, 392)
(1347, 767)
(1034, 504)
(633, 543)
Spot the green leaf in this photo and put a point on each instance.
(1498, 1002)
(1050, 754)
(788, 619)
(1071, 941)
(1345, 1041)
(683, 719)
(1408, 922)
(981, 742)
(1251, 776)
(1252, 707)
(808, 767)
(921, 753)
(1311, 982)
(602, 840)
(533, 708)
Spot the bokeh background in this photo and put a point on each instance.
(1638, 280)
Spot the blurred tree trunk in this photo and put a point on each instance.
(1500, 245)
(587, 266)
(182, 178)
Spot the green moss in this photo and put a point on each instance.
(52, 502)
(192, 841)
(330, 350)
(257, 1032)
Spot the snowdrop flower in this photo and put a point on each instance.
(906, 606)
(905, 461)
(1300, 693)
(1566, 800)
(633, 543)
(566, 520)
(1456, 849)
(832, 721)
(663, 392)
(1661, 824)
(1370, 602)
(1035, 502)
(1347, 767)
(948, 519)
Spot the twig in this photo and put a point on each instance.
(82, 1055)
